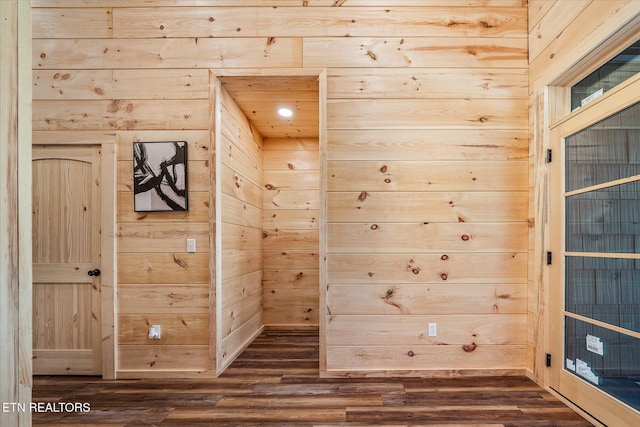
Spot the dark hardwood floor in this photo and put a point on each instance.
(275, 382)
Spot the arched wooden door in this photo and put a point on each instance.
(66, 260)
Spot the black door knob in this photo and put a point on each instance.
(94, 272)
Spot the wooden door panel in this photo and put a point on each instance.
(66, 246)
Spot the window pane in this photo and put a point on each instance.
(605, 151)
(605, 220)
(605, 289)
(619, 69)
(607, 359)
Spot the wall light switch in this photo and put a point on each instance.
(191, 245)
(433, 331)
(154, 332)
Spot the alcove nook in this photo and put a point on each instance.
(267, 184)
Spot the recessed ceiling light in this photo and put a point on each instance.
(285, 112)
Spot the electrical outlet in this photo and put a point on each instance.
(154, 332)
(191, 245)
(433, 331)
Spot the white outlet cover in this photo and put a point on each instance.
(154, 332)
(433, 330)
(191, 245)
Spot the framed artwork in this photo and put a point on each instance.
(160, 176)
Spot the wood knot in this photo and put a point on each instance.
(464, 237)
(444, 276)
(383, 169)
(269, 187)
(389, 293)
(468, 348)
(374, 226)
(387, 180)
(411, 354)
(211, 19)
(162, 27)
(372, 55)
(370, 274)
(363, 196)
(444, 257)
(415, 271)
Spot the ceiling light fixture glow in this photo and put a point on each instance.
(285, 112)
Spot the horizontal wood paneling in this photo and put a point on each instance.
(168, 358)
(238, 314)
(432, 299)
(163, 267)
(291, 259)
(291, 160)
(431, 237)
(237, 263)
(239, 295)
(434, 83)
(291, 279)
(427, 114)
(428, 268)
(291, 232)
(427, 207)
(163, 298)
(431, 144)
(237, 237)
(118, 84)
(287, 298)
(119, 114)
(413, 330)
(239, 288)
(293, 219)
(431, 91)
(286, 239)
(336, 22)
(165, 237)
(426, 176)
(166, 53)
(405, 357)
(291, 199)
(232, 345)
(374, 52)
(179, 329)
(239, 187)
(272, 3)
(294, 318)
(237, 212)
(79, 22)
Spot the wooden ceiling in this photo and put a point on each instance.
(261, 97)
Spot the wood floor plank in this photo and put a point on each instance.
(276, 382)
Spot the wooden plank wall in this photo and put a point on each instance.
(427, 185)
(427, 194)
(241, 182)
(561, 34)
(291, 219)
(15, 213)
